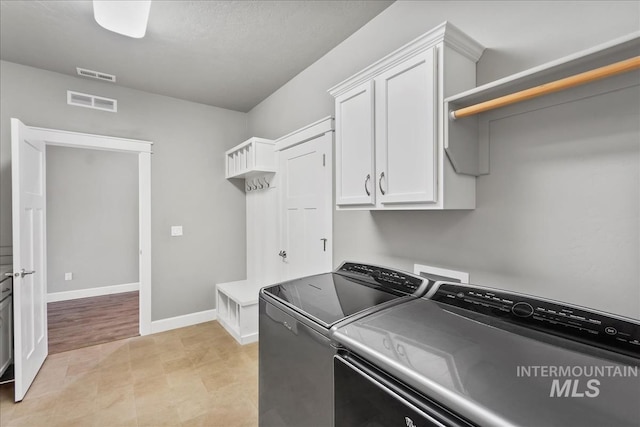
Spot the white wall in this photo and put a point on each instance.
(92, 218)
(559, 215)
(188, 187)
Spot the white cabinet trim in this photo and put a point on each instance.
(305, 133)
(447, 32)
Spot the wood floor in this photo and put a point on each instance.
(197, 376)
(85, 322)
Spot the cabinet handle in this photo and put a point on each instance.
(366, 181)
(380, 182)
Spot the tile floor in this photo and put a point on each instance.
(194, 376)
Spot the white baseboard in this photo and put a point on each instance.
(183, 321)
(92, 292)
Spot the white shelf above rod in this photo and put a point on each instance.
(467, 153)
(547, 88)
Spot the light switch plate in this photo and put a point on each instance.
(68, 276)
(176, 230)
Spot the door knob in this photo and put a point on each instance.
(23, 273)
(283, 254)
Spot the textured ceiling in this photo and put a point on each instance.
(230, 54)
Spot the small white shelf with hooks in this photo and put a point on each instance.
(254, 157)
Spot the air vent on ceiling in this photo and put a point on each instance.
(91, 101)
(96, 75)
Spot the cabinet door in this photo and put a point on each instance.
(355, 147)
(407, 131)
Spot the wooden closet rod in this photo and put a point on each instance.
(544, 89)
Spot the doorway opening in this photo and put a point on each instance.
(92, 247)
(28, 146)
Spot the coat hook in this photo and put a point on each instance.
(266, 182)
(248, 187)
(255, 187)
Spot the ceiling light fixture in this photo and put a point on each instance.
(126, 17)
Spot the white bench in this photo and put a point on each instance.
(237, 304)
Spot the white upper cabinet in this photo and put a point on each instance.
(354, 158)
(389, 126)
(406, 144)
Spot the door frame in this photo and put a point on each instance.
(62, 138)
(322, 127)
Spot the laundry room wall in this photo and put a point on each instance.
(559, 214)
(188, 186)
(92, 219)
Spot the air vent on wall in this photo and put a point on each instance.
(96, 75)
(91, 101)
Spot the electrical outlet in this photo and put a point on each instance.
(437, 273)
(68, 276)
(176, 230)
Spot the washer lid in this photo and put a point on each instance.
(328, 298)
(497, 373)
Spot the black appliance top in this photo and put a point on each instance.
(499, 358)
(353, 288)
(580, 324)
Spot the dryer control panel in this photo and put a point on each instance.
(566, 320)
(394, 279)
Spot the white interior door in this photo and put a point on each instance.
(29, 257)
(305, 184)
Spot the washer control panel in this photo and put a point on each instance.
(395, 279)
(578, 323)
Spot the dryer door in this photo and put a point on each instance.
(366, 397)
